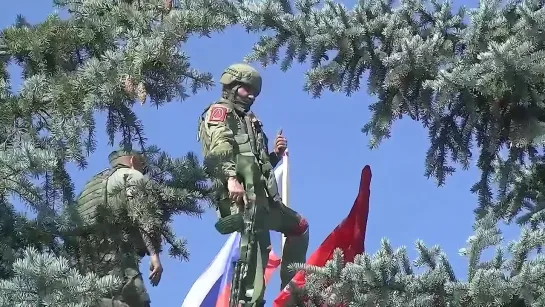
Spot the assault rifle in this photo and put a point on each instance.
(239, 296)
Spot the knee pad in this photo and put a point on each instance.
(300, 229)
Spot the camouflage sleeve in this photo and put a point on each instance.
(132, 177)
(219, 124)
(152, 241)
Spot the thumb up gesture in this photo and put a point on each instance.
(280, 143)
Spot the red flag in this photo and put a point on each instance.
(349, 236)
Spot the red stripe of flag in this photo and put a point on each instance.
(349, 236)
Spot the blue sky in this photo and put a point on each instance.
(327, 153)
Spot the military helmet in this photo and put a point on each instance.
(242, 73)
(116, 154)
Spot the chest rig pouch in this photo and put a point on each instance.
(252, 141)
(249, 141)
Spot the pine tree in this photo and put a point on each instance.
(99, 61)
(42, 279)
(473, 85)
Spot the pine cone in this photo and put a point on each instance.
(168, 5)
(128, 85)
(141, 92)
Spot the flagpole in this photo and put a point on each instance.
(285, 190)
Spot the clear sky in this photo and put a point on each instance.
(327, 152)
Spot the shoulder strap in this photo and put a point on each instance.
(108, 173)
(251, 134)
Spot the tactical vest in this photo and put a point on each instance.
(250, 140)
(94, 196)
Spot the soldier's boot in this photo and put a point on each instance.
(295, 250)
(229, 224)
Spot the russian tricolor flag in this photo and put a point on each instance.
(213, 287)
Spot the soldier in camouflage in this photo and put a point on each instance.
(233, 138)
(105, 250)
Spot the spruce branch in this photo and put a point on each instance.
(63, 286)
(73, 70)
(469, 83)
(386, 278)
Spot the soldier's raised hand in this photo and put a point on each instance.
(236, 190)
(280, 143)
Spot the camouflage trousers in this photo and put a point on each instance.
(277, 217)
(133, 292)
(270, 214)
(102, 257)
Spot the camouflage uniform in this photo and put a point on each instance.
(102, 249)
(235, 145)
